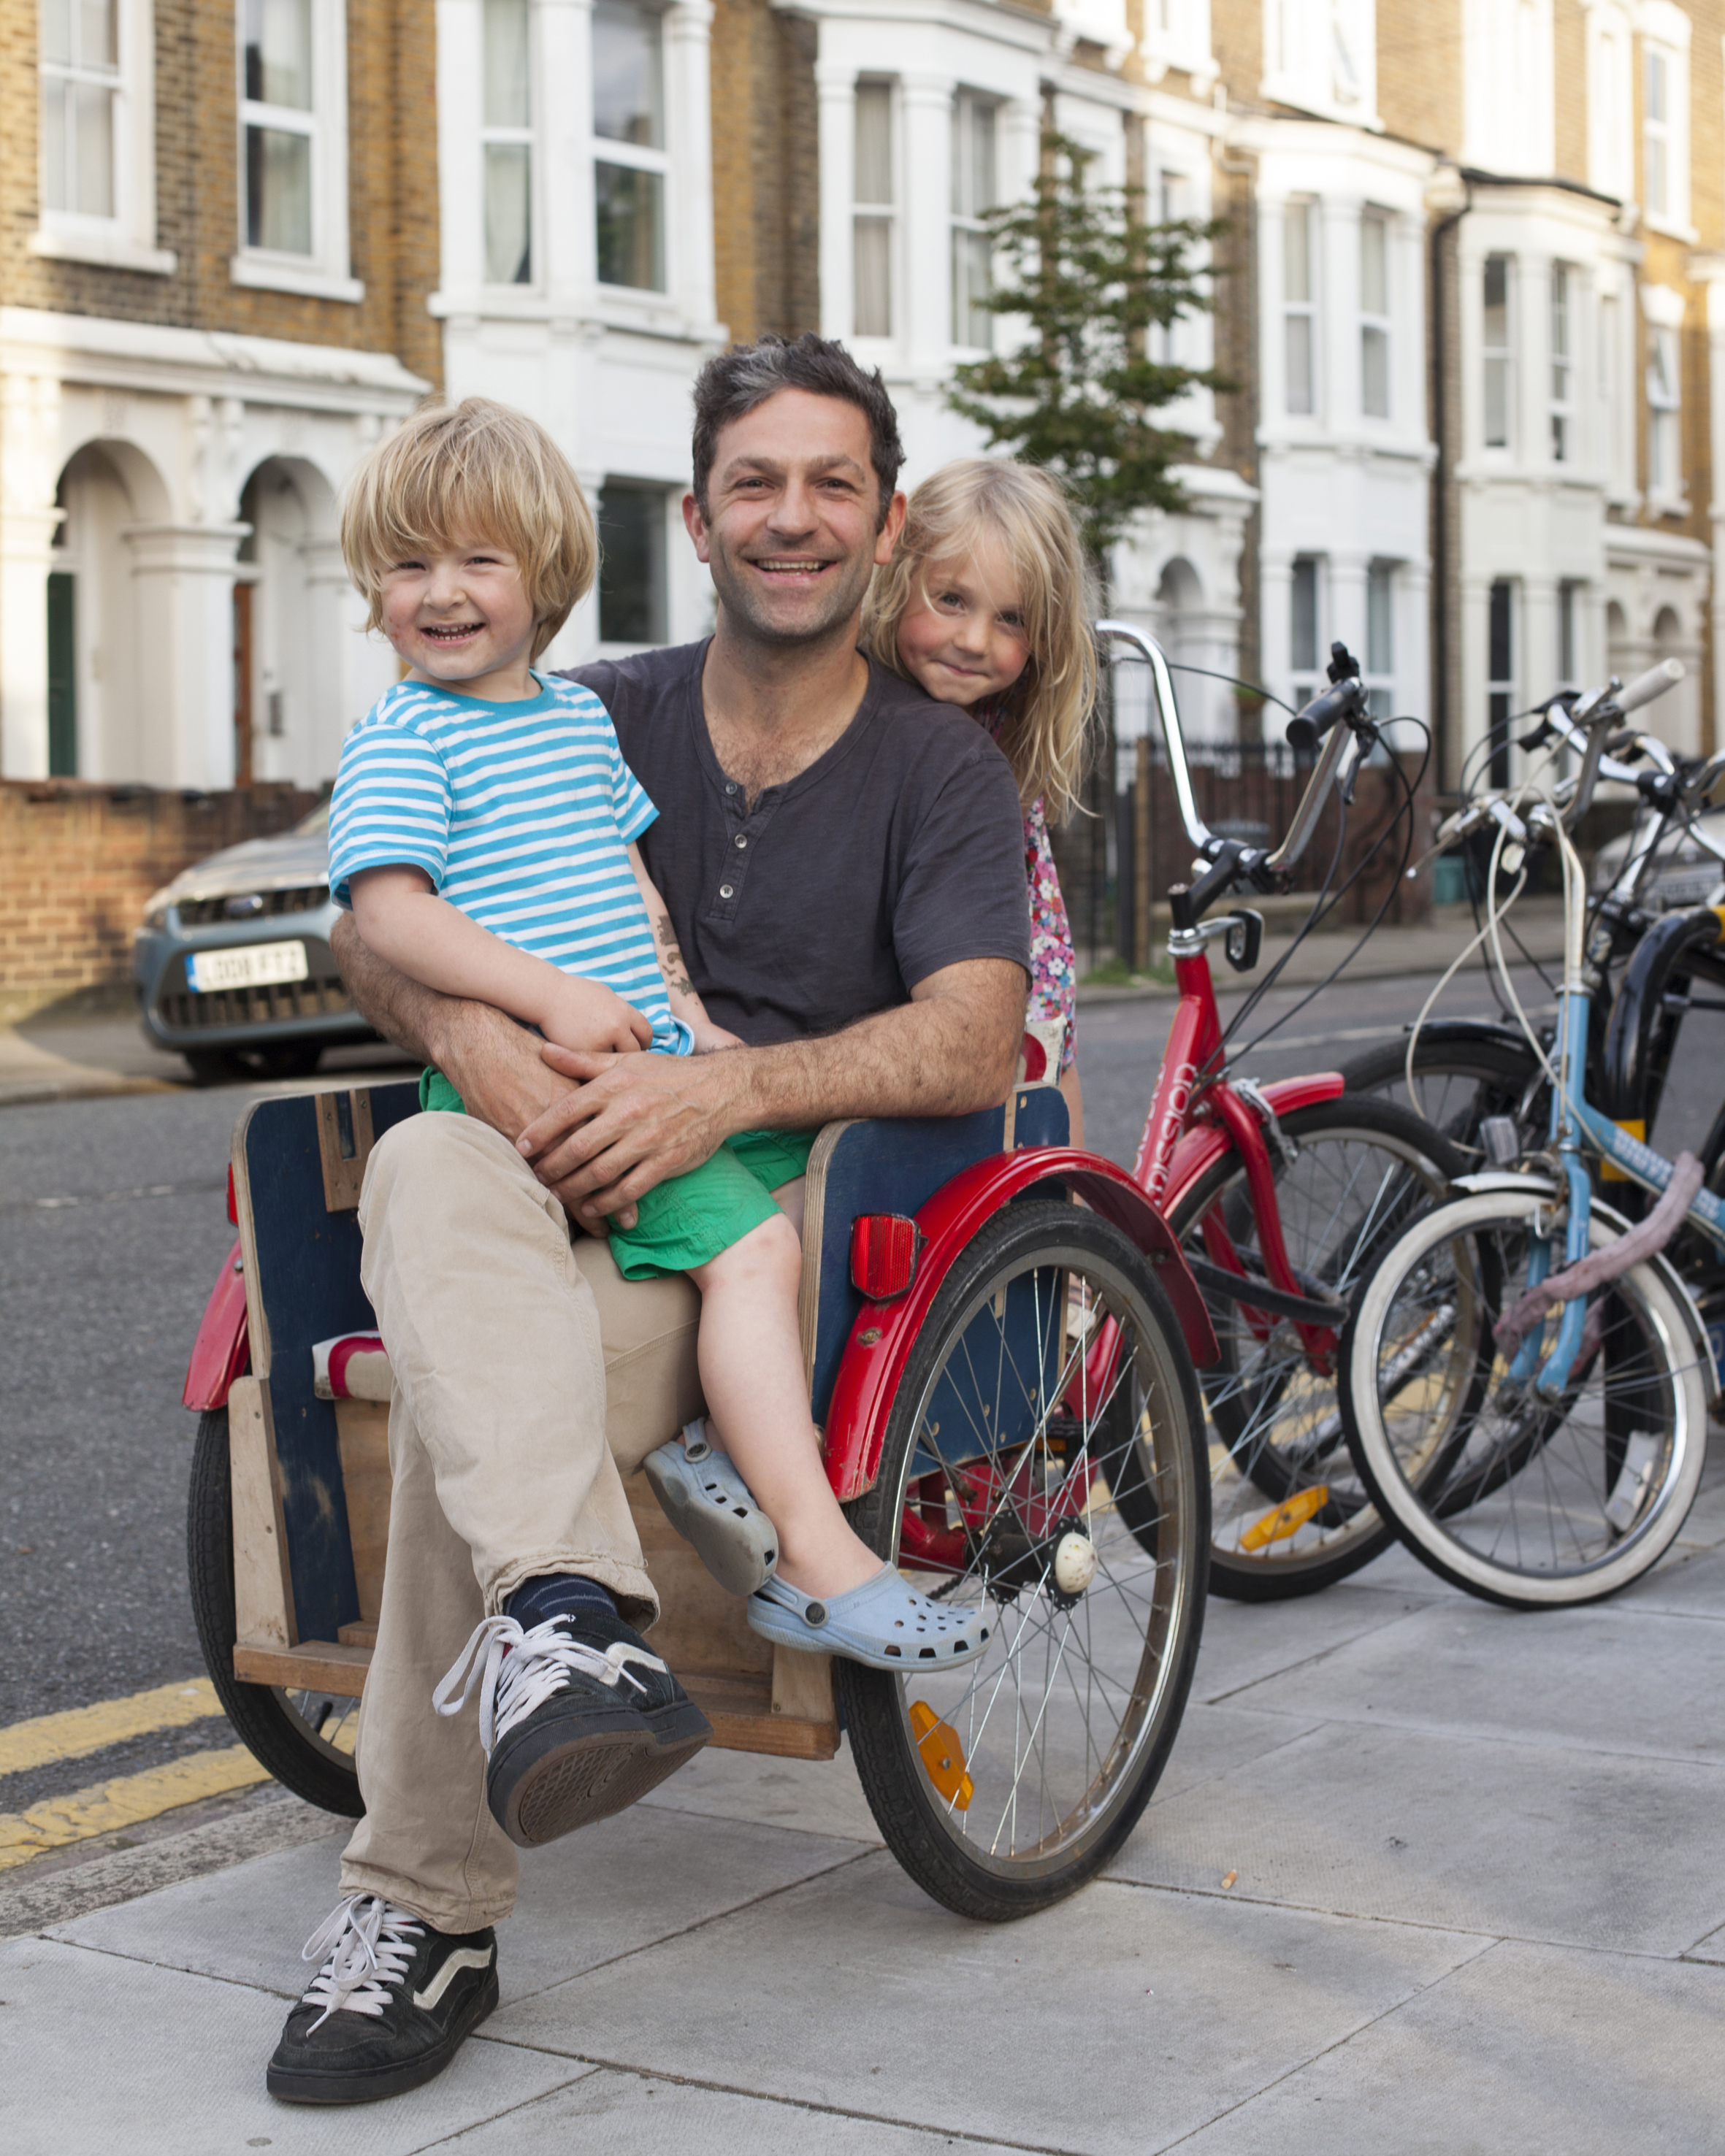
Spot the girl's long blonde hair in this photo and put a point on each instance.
(1045, 733)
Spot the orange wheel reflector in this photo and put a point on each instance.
(942, 1755)
(1286, 1519)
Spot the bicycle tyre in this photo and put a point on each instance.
(1549, 1499)
(1122, 1653)
(1275, 1433)
(1489, 1074)
(284, 1731)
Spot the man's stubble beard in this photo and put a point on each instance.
(842, 602)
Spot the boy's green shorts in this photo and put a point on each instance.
(681, 1224)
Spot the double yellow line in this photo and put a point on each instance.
(128, 1799)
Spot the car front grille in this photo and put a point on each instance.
(185, 1011)
(206, 912)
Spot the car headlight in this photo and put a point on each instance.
(155, 907)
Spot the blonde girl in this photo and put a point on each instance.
(987, 602)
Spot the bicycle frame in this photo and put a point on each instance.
(1576, 1129)
(1194, 1039)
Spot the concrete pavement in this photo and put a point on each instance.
(1479, 1905)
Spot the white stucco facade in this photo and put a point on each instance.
(128, 455)
(1344, 438)
(606, 367)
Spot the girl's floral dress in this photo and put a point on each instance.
(1054, 971)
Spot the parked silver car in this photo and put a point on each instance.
(1684, 873)
(232, 963)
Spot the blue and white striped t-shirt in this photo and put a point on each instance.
(521, 814)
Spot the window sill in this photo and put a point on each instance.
(1670, 228)
(104, 250)
(1302, 94)
(270, 273)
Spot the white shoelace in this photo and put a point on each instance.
(517, 1671)
(365, 1944)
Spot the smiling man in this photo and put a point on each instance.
(840, 860)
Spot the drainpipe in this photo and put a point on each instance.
(1448, 193)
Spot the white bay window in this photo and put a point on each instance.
(974, 194)
(96, 110)
(293, 143)
(631, 164)
(508, 143)
(872, 193)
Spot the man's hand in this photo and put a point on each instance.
(638, 1120)
(635, 1122)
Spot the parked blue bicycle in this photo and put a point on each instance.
(1525, 1380)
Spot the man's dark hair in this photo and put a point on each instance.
(732, 385)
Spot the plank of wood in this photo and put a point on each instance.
(358, 1635)
(363, 1433)
(314, 1665)
(802, 1689)
(263, 1592)
(741, 1712)
(343, 1154)
(257, 1322)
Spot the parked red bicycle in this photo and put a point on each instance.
(1282, 1195)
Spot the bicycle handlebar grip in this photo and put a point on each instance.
(1653, 683)
(1308, 727)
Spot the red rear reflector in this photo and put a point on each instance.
(233, 1202)
(883, 1248)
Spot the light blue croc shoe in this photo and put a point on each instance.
(884, 1624)
(708, 1503)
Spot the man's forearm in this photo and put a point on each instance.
(490, 1061)
(942, 1055)
(401, 1009)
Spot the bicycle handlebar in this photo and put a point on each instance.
(1653, 683)
(1311, 802)
(1307, 727)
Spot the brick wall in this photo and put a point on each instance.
(1419, 72)
(392, 150)
(81, 861)
(766, 170)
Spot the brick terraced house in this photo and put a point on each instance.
(218, 235)
(1472, 297)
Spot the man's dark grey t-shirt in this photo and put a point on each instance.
(898, 851)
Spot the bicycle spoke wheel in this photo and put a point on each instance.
(1009, 1478)
(1288, 1513)
(1461, 1076)
(1523, 1499)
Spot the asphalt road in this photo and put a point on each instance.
(112, 1227)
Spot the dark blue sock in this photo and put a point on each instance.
(557, 1595)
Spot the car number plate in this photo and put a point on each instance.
(1689, 886)
(253, 966)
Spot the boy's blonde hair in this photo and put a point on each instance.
(475, 470)
(1045, 731)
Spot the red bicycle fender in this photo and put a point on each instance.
(885, 1333)
(223, 1347)
(1206, 1142)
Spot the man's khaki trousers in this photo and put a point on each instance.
(530, 1378)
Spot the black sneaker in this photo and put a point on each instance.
(388, 2009)
(579, 1718)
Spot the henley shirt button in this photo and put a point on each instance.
(731, 786)
(724, 890)
(741, 841)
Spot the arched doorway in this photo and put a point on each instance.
(289, 607)
(1182, 626)
(98, 707)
